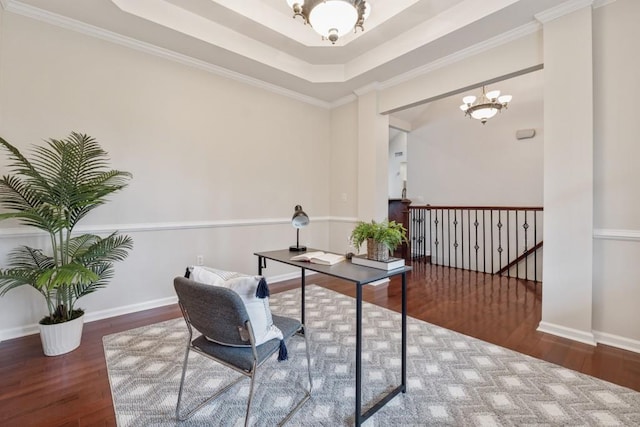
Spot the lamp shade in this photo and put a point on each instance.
(333, 16)
(299, 220)
(494, 94)
(484, 113)
(470, 99)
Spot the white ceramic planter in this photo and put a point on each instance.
(61, 338)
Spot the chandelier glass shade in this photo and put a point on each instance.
(332, 19)
(486, 106)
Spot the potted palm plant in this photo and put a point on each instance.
(63, 182)
(381, 237)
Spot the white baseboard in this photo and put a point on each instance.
(570, 333)
(617, 341)
(22, 331)
(593, 338)
(127, 309)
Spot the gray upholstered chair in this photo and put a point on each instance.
(220, 314)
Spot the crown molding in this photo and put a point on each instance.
(509, 36)
(343, 101)
(562, 9)
(601, 3)
(372, 87)
(400, 124)
(51, 18)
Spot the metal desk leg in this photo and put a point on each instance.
(302, 303)
(404, 332)
(358, 419)
(262, 263)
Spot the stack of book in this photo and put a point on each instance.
(390, 264)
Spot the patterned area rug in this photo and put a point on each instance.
(452, 379)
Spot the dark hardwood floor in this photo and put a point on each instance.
(73, 389)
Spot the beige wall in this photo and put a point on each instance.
(568, 176)
(343, 177)
(454, 160)
(218, 165)
(495, 63)
(591, 294)
(213, 160)
(616, 272)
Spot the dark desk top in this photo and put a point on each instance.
(343, 270)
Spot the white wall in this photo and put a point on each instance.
(454, 160)
(398, 141)
(373, 162)
(183, 131)
(217, 165)
(343, 176)
(568, 176)
(616, 272)
(612, 287)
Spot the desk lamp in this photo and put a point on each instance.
(299, 220)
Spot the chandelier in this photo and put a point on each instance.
(486, 106)
(332, 18)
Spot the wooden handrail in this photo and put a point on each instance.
(485, 208)
(520, 258)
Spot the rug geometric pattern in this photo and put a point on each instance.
(452, 379)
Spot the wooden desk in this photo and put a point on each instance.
(360, 276)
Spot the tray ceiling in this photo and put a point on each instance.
(258, 40)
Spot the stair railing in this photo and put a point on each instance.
(489, 239)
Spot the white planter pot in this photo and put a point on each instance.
(61, 338)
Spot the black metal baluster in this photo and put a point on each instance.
(484, 242)
(448, 237)
(469, 233)
(435, 223)
(517, 247)
(535, 254)
(455, 236)
(417, 233)
(491, 229)
(462, 236)
(476, 247)
(526, 229)
(500, 238)
(412, 226)
(508, 242)
(419, 244)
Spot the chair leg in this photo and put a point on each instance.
(253, 377)
(307, 393)
(217, 394)
(184, 372)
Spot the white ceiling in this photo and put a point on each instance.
(525, 89)
(257, 40)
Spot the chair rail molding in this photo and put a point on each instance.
(15, 232)
(616, 234)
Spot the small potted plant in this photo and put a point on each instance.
(63, 182)
(381, 237)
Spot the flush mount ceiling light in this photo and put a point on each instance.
(486, 106)
(332, 18)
